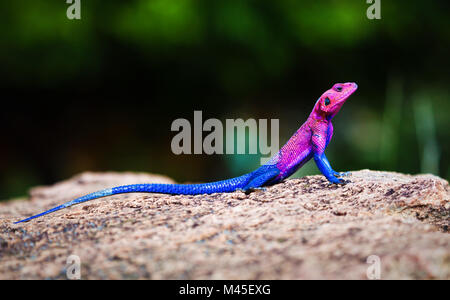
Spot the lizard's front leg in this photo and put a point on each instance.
(337, 174)
(325, 168)
(328, 139)
(319, 142)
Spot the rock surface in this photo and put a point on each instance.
(299, 229)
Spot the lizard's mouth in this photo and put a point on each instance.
(346, 95)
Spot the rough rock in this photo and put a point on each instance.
(299, 229)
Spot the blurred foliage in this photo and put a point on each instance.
(100, 93)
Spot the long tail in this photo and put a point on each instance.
(224, 186)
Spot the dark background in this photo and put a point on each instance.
(100, 93)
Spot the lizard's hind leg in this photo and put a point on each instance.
(262, 176)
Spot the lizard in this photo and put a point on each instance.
(309, 141)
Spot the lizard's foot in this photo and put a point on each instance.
(341, 174)
(335, 180)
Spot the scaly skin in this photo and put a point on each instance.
(310, 141)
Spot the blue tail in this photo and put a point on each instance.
(92, 196)
(257, 178)
(224, 186)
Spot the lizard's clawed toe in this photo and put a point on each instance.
(342, 174)
(338, 181)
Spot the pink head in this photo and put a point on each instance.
(332, 100)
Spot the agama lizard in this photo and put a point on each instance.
(308, 142)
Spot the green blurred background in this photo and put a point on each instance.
(100, 93)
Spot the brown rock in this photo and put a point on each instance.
(299, 229)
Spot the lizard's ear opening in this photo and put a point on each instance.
(327, 101)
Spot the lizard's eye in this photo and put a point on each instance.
(338, 88)
(327, 101)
